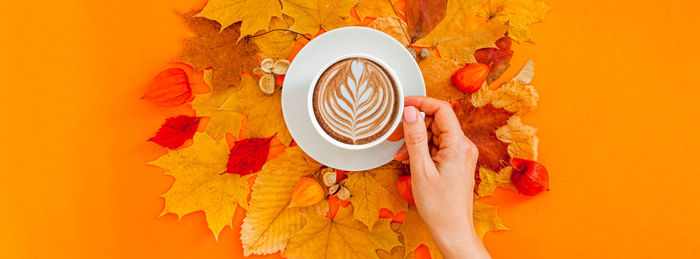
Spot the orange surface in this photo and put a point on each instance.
(618, 124)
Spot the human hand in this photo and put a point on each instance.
(443, 162)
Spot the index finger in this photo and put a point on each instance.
(441, 111)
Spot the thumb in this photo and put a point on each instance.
(416, 136)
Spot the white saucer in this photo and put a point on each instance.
(310, 60)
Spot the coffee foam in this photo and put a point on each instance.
(355, 101)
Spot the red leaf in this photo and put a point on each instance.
(423, 15)
(479, 125)
(248, 155)
(497, 58)
(170, 87)
(175, 131)
(504, 43)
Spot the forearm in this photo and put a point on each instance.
(460, 242)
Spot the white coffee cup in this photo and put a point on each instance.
(332, 140)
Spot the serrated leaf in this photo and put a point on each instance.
(220, 122)
(276, 43)
(218, 49)
(374, 8)
(479, 125)
(490, 179)
(263, 111)
(375, 189)
(486, 219)
(341, 237)
(415, 232)
(311, 15)
(199, 184)
(253, 15)
(269, 221)
(517, 14)
(462, 32)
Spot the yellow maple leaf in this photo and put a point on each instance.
(393, 27)
(253, 15)
(462, 32)
(436, 74)
(395, 253)
(521, 139)
(374, 8)
(310, 15)
(263, 111)
(490, 179)
(517, 14)
(486, 219)
(199, 184)
(269, 221)
(375, 189)
(515, 95)
(415, 232)
(220, 122)
(341, 237)
(276, 42)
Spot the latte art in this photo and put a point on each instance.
(355, 101)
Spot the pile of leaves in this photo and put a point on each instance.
(236, 151)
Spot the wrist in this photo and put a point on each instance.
(459, 242)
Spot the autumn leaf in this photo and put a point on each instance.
(253, 15)
(221, 51)
(375, 189)
(486, 219)
(415, 232)
(263, 111)
(436, 74)
(479, 125)
(395, 253)
(393, 27)
(199, 184)
(497, 58)
(277, 42)
(461, 32)
(515, 95)
(220, 122)
(341, 237)
(517, 14)
(248, 155)
(521, 139)
(269, 221)
(170, 87)
(310, 15)
(374, 8)
(175, 131)
(423, 15)
(490, 179)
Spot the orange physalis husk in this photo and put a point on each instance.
(306, 192)
(471, 77)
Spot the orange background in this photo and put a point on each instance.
(618, 124)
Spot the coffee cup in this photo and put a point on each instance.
(355, 101)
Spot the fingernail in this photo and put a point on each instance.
(410, 114)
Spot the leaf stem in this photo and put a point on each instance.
(261, 34)
(400, 24)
